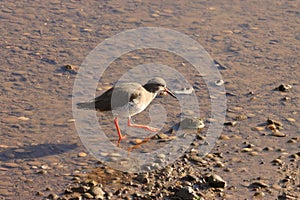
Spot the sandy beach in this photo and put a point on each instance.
(257, 44)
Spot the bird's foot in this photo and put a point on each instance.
(119, 140)
(149, 128)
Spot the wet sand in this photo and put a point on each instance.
(258, 42)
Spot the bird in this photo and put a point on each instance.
(129, 99)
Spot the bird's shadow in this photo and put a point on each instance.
(35, 151)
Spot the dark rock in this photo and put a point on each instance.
(215, 181)
(283, 88)
(186, 193)
(190, 178)
(142, 178)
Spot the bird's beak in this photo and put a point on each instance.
(167, 90)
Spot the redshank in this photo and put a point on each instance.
(129, 99)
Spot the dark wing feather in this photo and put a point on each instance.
(102, 102)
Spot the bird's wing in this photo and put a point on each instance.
(115, 97)
(124, 93)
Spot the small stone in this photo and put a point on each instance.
(142, 178)
(217, 38)
(44, 166)
(98, 192)
(241, 117)
(294, 156)
(224, 137)
(185, 193)
(286, 99)
(258, 184)
(278, 134)
(82, 154)
(253, 153)
(23, 118)
(291, 119)
(259, 194)
(260, 128)
(197, 159)
(215, 181)
(272, 127)
(247, 149)
(277, 161)
(53, 196)
(42, 171)
(283, 88)
(230, 123)
(10, 165)
(292, 140)
(276, 123)
(162, 136)
(86, 30)
(155, 15)
(219, 82)
(276, 187)
(4, 146)
(191, 123)
(88, 195)
(138, 141)
(219, 164)
(268, 149)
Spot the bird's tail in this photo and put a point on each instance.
(86, 105)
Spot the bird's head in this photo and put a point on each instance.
(158, 85)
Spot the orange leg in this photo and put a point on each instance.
(119, 130)
(142, 126)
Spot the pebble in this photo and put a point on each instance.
(186, 193)
(10, 165)
(184, 91)
(247, 149)
(292, 140)
(217, 38)
(291, 119)
(162, 136)
(278, 134)
(258, 184)
(97, 192)
(197, 159)
(215, 181)
(138, 141)
(260, 128)
(142, 178)
(88, 195)
(277, 161)
(219, 164)
(82, 154)
(219, 82)
(192, 123)
(259, 194)
(272, 127)
(224, 137)
(23, 118)
(275, 122)
(284, 88)
(230, 123)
